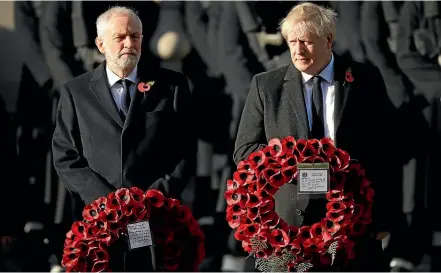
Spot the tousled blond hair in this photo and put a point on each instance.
(103, 20)
(309, 18)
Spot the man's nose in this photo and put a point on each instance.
(128, 43)
(299, 48)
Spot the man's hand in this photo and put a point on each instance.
(382, 235)
(5, 240)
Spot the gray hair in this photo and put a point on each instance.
(103, 20)
(310, 18)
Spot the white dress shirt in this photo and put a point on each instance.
(328, 92)
(117, 89)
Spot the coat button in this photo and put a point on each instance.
(299, 212)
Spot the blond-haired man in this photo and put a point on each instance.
(320, 95)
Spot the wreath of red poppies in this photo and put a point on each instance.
(173, 227)
(279, 246)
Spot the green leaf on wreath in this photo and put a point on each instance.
(303, 267)
(275, 263)
(256, 246)
(333, 250)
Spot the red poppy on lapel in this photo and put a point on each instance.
(348, 77)
(145, 86)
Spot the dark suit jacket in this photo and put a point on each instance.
(275, 108)
(95, 152)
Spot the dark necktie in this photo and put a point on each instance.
(318, 128)
(125, 96)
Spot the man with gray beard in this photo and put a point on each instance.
(123, 124)
(117, 125)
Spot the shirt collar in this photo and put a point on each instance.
(113, 78)
(327, 73)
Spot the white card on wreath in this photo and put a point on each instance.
(139, 234)
(313, 178)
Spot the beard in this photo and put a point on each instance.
(123, 60)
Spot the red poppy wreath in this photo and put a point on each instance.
(86, 248)
(278, 246)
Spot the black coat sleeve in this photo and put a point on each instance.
(425, 74)
(251, 132)
(71, 166)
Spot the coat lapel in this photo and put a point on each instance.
(294, 88)
(141, 100)
(100, 87)
(341, 92)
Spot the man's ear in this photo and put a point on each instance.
(100, 44)
(330, 40)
